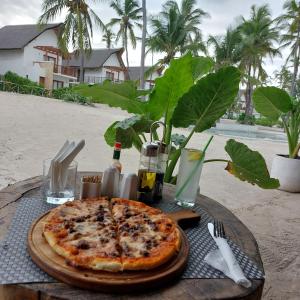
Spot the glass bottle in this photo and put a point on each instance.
(147, 172)
(116, 157)
(161, 169)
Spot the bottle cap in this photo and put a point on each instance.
(150, 149)
(162, 147)
(118, 145)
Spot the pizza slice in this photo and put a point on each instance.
(147, 237)
(88, 238)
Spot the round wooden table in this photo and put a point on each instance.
(181, 289)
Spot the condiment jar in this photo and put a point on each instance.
(147, 172)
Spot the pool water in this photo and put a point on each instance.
(265, 135)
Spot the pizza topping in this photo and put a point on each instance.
(145, 253)
(72, 230)
(104, 240)
(83, 244)
(77, 236)
(79, 219)
(100, 218)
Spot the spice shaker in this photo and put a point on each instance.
(147, 172)
(128, 187)
(110, 182)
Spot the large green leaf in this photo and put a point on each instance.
(201, 66)
(127, 131)
(271, 102)
(249, 165)
(123, 95)
(207, 100)
(176, 81)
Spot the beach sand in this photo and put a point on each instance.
(34, 128)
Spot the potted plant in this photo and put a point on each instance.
(188, 95)
(274, 103)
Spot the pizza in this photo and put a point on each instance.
(111, 235)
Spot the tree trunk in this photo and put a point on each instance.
(296, 64)
(142, 71)
(81, 77)
(248, 92)
(126, 49)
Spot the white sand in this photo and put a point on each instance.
(33, 128)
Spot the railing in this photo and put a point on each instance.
(7, 86)
(64, 70)
(95, 79)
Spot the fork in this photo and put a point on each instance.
(232, 269)
(219, 230)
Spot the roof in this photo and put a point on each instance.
(18, 36)
(95, 60)
(134, 72)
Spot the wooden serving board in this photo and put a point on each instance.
(126, 281)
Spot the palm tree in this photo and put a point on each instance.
(129, 14)
(226, 48)
(143, 47)
(175, 29)
(194, 43)
(77, 28)
(284, 78)
(257, 37)
(290, 21)
(108, 37)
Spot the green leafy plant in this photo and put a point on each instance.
(184, 97)
(68, 94)
(22, 85)
(274, 104)
(268, 122)
(245, 119)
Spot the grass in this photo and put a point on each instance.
(94, 92)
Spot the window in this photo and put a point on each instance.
(42, 81)
(57, 84)
(109, 75)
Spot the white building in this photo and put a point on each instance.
(32, 52)
(134, 74)
(99, 65)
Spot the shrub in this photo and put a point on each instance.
(68, 94)
(243, 119)
(22, 85)
(268, 122)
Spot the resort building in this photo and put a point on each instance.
(32, 52)
(134, 74)
(99, 65)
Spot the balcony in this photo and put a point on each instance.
(99, 80)
(63, 70)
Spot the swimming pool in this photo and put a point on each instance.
(259, 134)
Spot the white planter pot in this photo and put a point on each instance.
(287, 171)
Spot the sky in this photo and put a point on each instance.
(222, 14)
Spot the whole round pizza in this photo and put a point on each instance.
(111, 235)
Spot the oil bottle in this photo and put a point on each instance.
(147, 172)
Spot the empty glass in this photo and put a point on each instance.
(64, 193)
(188, 177)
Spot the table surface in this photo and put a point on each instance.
(180, 289)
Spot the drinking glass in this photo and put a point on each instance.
(65, 193)
(189, 169)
